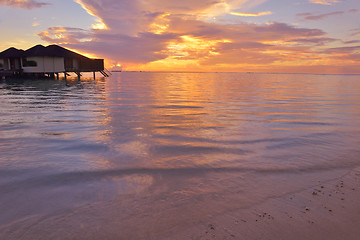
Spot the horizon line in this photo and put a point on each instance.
(149, 71)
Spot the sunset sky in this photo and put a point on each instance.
(290, 36)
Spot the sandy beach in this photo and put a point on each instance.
(329, 210)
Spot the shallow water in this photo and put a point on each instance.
(139, 155)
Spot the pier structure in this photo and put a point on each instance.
(50, 61)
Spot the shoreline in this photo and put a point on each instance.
(328, 211)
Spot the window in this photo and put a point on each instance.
(30, 63)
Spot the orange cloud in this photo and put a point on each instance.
(251, 14)
(324, 2)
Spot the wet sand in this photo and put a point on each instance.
(328, 211)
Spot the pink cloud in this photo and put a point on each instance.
(145, 47)
(311, 16)
(355, 32)
(27, 4)
(352, 42)
(60, 35)
(318, 41)
(343, 49)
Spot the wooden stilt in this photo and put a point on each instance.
(65, 75)
(94, 76)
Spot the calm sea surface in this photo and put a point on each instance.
(139, 154)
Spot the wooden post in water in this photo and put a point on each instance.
(94, 75)
(57, 76)
(65, 75)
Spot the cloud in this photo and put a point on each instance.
(355, 57)
(251, 14)
(185, 39)
(65, 35)
(27, 4)
(353, 10)
(311, 16)
(318, 41)
(355, 32)
(145, 47)
(343, 49)
(324, 2)
(352, 42)
(143, 31)
(133, 16)
(177, 35)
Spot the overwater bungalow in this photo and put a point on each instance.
(47, 61)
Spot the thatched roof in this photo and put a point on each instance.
(52, 51)
(12, 53)
(40, 50)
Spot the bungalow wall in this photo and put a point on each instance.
(90, 65)
(44, 65)
(4, 64)
(10, 63)
(83, 65)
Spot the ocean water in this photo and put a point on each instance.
(142, 155)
